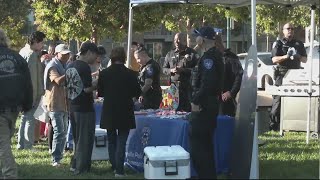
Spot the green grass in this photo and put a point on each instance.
(289, 156)
(37, 165)
(33, 165)
(286, 157)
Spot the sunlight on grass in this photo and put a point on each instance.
(288, 156)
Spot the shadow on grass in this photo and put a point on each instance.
(275, 169)
(99, 170)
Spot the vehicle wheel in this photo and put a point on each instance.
(314, 135)
(267, 81)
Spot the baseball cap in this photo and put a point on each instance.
(88, 46)
(206, 32)
(62, 48)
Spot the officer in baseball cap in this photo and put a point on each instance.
(206, 89)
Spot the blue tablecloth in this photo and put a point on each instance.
(153, 131)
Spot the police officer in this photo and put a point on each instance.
(178, 64)
(288, 53)
(15, 96)
(233, 72)
(207, 86)
(149, 79)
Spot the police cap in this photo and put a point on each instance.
(206, 32)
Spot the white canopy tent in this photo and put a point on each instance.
(254, 172)
(238, 3)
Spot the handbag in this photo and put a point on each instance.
(41, 112)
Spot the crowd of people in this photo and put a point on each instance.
(208, 78)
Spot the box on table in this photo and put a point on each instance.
(166, 162)
(100, 146)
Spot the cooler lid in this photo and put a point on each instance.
(174, 152)
(100, 131)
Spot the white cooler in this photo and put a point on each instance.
(166, 162)
(100, 146)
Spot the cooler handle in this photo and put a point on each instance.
(104, 141)
(170, 164)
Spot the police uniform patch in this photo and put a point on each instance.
(149, 71)
(208, 63)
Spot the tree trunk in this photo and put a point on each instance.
(189, 27)
(267, 43)
(78, 45)
(204, 21)
(94, 35)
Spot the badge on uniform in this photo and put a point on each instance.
(149, 71)
(208, 63)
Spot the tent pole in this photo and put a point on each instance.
(129, 35)
(310, 70)
(228, 32)
(254, 168)
(253, 23)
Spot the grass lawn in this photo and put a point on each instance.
(281, 157)
(289, 157)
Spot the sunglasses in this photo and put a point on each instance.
(288, 28)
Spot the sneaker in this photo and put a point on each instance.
(119, 175)
(72, 169)
(56, 164)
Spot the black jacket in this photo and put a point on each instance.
(152, 98)
(233, 73)
(118, 85)
(186, 60)
(207, 78)
(281, 49)
(16, 90)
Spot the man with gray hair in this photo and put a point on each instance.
(15, 76)
(206, 83)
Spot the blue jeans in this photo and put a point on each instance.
(117, 140)
(59, 122)
(26, 129)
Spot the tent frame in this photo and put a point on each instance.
(254, 172)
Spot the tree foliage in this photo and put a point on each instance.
(96, 19)
(85, 19)
(268, 17)
(13, 20)
(80, 19)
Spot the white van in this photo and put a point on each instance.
(265, 68)
(315, 59)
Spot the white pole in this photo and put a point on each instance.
(253, 23)
(254, 169)
(310, 59)
(129, 35)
